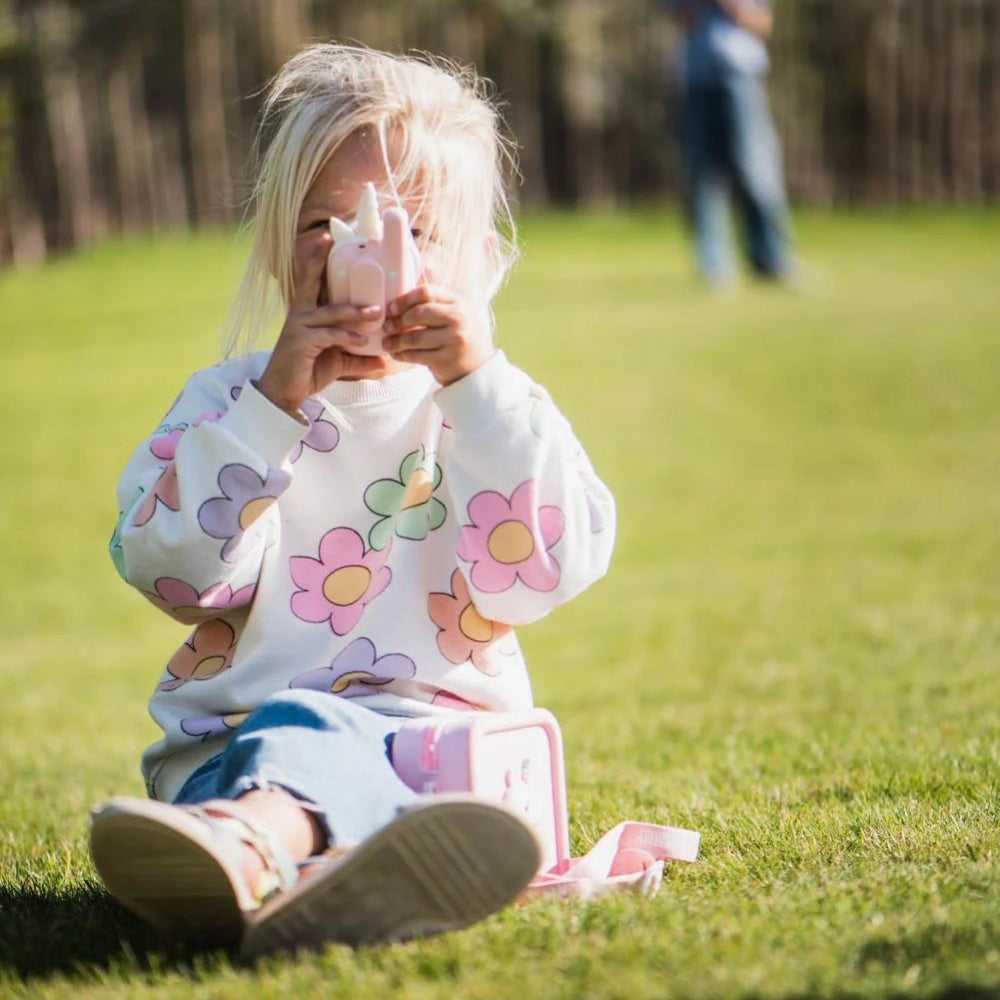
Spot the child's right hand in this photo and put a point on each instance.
(309, 354)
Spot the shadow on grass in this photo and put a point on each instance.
(84, 933)
(79, 932)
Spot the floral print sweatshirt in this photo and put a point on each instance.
(382, 553)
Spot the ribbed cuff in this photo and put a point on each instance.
(256, 421)
(473, 402)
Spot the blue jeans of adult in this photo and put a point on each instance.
(328, 752)
(731, 149)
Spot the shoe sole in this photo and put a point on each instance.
(436, 868)
(160, 864)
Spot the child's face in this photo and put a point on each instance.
(336, 190)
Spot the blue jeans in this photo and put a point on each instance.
(730, 146)
(328, 752)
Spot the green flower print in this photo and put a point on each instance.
(406, 505)
(115, 545)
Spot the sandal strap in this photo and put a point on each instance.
(280, 872)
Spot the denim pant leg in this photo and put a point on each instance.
(328, 752)
(759, 187)
(706, 160)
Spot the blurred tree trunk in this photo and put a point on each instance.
(205, 72)
(131, 114)
(131, 139)
(53, 25)
(991, 106)
(882, 74)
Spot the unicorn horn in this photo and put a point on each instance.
(367, 223)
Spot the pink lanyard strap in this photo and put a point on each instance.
(629, 857)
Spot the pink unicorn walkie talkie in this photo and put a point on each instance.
(371, 263)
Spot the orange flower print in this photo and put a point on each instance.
(207, 652)
(166, 491)
(464, 633)
(207, 726)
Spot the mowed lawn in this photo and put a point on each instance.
(796, 651)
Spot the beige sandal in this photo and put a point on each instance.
(442, 864)
(179, 867)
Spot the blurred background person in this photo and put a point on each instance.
(729, 144)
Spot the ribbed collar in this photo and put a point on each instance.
(413, 382)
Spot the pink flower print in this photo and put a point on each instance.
(164, 445)
(181, 601)
(245, 497)
(206, 654)
(357, 670)
(322, 435)
(166, 490)
(337, 586)
(445, 700)
(509, 540)
(464, 633)
(164, 442)
(207, 726)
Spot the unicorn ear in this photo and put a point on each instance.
(341, 232)
(367, 223)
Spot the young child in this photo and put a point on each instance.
(352, 537)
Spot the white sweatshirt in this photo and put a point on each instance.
(382, 553)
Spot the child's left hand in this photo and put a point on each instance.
(430, 325)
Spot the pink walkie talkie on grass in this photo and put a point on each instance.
(372, 262)
(516, 758)
(511, 757)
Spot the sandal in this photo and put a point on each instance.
(440, 865)
(179, 867)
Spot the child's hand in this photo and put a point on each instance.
(309, 353)
(429, 325)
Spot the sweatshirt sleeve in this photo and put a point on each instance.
(537, 524)
(198, 498)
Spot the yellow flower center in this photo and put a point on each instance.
(232, 721)
(418, 489)
(474, 626)
(510, 542)
(346, 585)
(253, 510)
(209, 667)
(343, 682)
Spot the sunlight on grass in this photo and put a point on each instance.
(795, 652)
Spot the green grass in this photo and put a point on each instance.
(796, 651)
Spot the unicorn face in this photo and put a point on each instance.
(373, 261)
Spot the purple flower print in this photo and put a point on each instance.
(509, 540)
(357, 670)
(245, 497)
(181, 601)
(336, 587)
(321, 436)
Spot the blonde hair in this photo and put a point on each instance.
(450, 155)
